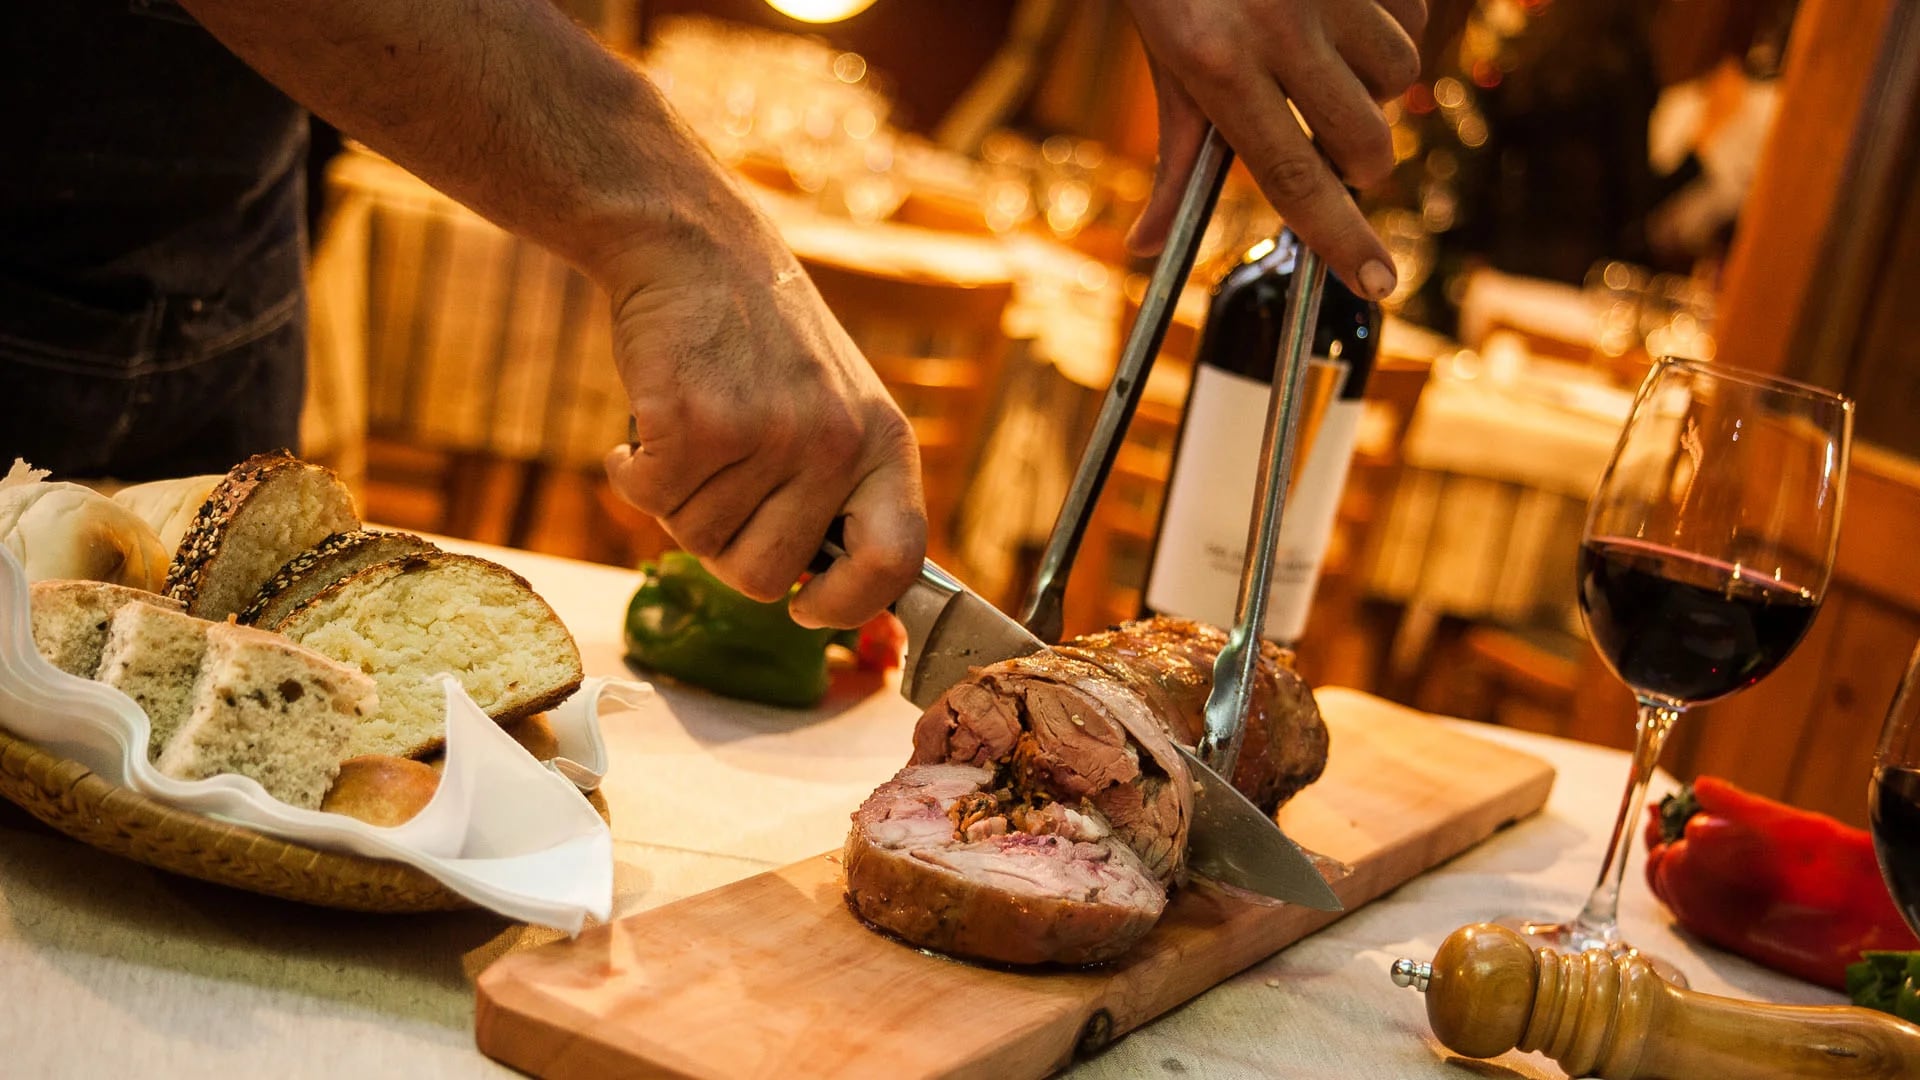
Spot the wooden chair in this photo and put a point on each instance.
(1518, 678)
(1347, 633)
(940, 349)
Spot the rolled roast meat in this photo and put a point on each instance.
(1169, 661)
(1044, 813)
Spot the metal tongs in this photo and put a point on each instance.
(1043, 615)
(1233, 671)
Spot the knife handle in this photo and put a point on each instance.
(1612, 1016)
(833, 547)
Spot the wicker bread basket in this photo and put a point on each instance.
(70, 798)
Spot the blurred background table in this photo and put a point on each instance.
(1484, 524)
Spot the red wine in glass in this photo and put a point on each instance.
(1686, 627)
(1893, 811)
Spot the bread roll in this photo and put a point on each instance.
(380, 789)
(65, 531)
(168, 506)
(535, 736)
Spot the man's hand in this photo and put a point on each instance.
(1237, 63)
(759, 423)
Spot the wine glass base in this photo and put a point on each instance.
(1567, 938)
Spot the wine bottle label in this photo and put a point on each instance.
(1203, 533)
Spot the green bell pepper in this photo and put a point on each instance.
(686, 623)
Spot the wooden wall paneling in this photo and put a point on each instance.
(1885, 372)
(1858, 322)
(1880, 528)
(1834, 758)
(1800, 188)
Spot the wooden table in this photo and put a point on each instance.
(112, 969)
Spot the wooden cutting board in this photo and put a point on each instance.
(774, 976)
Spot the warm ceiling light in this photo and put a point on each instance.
(820, 11)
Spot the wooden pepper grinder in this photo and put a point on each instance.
(1488, 992)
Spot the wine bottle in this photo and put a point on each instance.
(1201, 541)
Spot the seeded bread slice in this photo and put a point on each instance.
(336, 557)
(267, 708)
(70, 620)
(268, 509)
(405, 620)
(153, 656)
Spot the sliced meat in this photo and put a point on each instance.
(1079, 737)
(1169, 662)
(1073, 895)
(1045, 811)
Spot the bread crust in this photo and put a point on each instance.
(272, 603)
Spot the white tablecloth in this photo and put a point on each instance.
(110, 969)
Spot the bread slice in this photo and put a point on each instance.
(405, 620)
(270, 508)
(264, 707)
(70, 620)
(319, 566)
(153, 656)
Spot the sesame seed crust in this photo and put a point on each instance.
(208, 532)
(334, 555)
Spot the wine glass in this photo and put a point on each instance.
(1893, 799)
(1706, 554)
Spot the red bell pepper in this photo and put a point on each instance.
(1794, 890)
(882, 643)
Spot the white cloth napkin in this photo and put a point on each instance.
(503, 830)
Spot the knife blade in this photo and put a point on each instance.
(951, 630)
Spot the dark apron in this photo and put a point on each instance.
(152, 245)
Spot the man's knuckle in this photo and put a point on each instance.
(894, 559)
(648, 498)
(1290, 180)
(700, 537)
(1211, 54)
(836, 446)
(1400, 69)
(761, 581)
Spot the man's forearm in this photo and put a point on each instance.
(508, 107)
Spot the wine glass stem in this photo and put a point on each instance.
(1600, 919)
